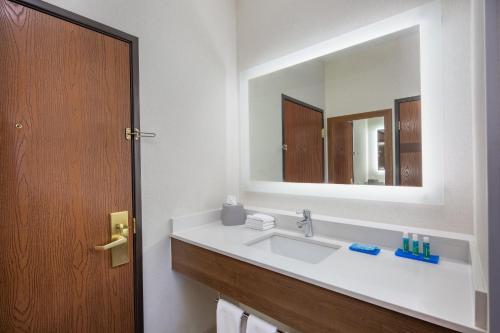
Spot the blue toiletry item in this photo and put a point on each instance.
(406, 242)
(415, 245)
(426, 245)
(368, 249)
(431, 259)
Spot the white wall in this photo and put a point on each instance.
(365, 148)
(369, 77)
(304, 82)
(188, 91)
(359, 145)
(479, 137)
(267, 30)
(374, 124)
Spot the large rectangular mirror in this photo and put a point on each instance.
(349, 117)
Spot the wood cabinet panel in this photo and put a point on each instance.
(300, 305)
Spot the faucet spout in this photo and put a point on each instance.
(306, 223)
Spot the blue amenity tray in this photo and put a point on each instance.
(432, 259)
(368, 249)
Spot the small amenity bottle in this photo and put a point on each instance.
(406, 242)
(426, 244)
(415, 245)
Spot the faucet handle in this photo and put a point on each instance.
(305, 212)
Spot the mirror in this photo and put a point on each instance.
(349, 117)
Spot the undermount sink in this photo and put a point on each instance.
(307, 250)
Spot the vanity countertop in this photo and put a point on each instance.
(441, 294)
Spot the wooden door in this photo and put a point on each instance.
(340, 165)
(65, 100)
(303, 150)
(338, 146)
(409, 149)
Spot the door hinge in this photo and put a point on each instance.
(134, 224)
(399, 125)
(137, 134)
(323, 133)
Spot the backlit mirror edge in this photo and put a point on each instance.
(428, 18)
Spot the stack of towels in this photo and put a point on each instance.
(260, 221)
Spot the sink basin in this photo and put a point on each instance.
(304, 249)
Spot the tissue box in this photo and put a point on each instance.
(233, 214)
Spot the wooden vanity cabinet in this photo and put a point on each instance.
(298, 304)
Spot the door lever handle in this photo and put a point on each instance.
(118, 240)
(119, 237)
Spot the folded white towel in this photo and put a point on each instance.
(260, 228)
(228, 317)
(257, 325)
(261, 217)
(258, 223)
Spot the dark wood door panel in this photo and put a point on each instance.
(411, 173)
(298, 304)
(410, 123)
(64, 102)
(303, 160)
(340, 138)
(410, 142)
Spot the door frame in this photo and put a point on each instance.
(306, 105)
(387, 115)
(133, 41)
(397, 102)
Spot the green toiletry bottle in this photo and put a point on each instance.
(406, 242)
(415, 245)
(426, 247)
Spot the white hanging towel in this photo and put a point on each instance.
(257, 325)
(228, 317)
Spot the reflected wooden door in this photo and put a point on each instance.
(409, 149)
(65, 100)
(303, 147)
(340, 164)
(340, 146)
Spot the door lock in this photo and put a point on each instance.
(136, 134)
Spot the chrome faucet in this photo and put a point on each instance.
(306, 223)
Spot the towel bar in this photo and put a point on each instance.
(246, 315)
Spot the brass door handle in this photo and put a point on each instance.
(119, 240)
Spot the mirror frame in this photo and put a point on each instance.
(428, 18)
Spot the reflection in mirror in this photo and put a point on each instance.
(357, 148)
(350, 117)
(380, 150)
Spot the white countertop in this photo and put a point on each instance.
(442, 294)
